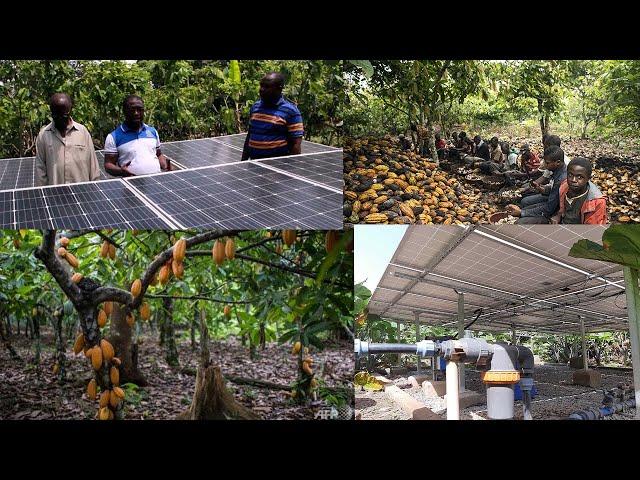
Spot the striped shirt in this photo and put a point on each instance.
(272, 128)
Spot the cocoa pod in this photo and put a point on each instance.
(102, 318)
(179, 250)
(218, 252)
(104, 413)
(230, 249)
(64, 241)
(331, 238)
(108, 308)
(145, 311)
(114, 375)
(177, 268)
(107, 350)
(96, 358)
(104, 399)
(76, 277)
(114, 399)
(136, 287)
(78, 344)
(112, 251)
(92, 389)
(289, 237)
(72, 260)
(104, 249)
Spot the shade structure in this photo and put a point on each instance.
(512, 276)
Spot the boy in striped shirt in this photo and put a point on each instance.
(275, 124)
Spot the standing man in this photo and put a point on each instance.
(275, 124)
(133, 148)
(64, 149)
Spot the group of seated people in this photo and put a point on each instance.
(559, 189)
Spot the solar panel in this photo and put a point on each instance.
(214, 190)
(241, 196)
(17, 173)
(79, 206)
(323, 168)
(200, 153)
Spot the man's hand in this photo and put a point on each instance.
(514, 210)
(539, 188)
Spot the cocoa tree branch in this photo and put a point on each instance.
(200, 297)
(47, 255)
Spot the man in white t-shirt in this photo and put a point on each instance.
(133, 148)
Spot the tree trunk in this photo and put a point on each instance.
(60, 354)
(211, 399)
(193, 328)
(171, 351)
(161, 321)
(36, 334)
(432, 143)
(263, 336)
(7, 344)
(125, 349)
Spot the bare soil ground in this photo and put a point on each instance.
(28, 391)
(556, 399)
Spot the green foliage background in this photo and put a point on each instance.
(183, 98)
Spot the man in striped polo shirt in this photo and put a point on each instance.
(275, 124)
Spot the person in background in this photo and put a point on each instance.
(541, 212)
(481, 148)
(64, 148)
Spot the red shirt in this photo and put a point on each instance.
(440, 144)
(532, 163)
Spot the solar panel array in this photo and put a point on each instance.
(213, 189)
(521, 276)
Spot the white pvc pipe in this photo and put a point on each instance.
(453, 404)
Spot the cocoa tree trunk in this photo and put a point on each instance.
(432, 143)
(7, 344)
(36, 334)
(171, 352)
(263, 336)
(125, 349)
(211, 399)
(193, 329)
(60, 357)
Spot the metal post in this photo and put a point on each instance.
(461, 335)
(453, 405)
(417, 320)
(513, 335)
(585, 359)
(399, 362)
(633, 307)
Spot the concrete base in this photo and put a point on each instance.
(469, 398)
(588, 378)
(391, 371)
(417, 380)
(410, 405)
(433, 389)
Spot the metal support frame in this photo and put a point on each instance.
(417, 322)
(514, 339)
(461, 376)
(585, 359)
(399, 362)
(633, 308)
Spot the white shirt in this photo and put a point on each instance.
(135, 150)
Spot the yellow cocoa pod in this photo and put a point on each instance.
(119, 392)
(331, 238)
(218, 252)
(114, 399)
(307, 369)
(179, 250)
(116, 361)
(163, 276)
(314, 383)
(296, 348)
(104, 399)
(102, 318)
(227, 311)
(376, 218)
(104, 249)
(64, 241)
(104, 413)
(136, 287)
(88, 352)
(73, 261)
(114, 375)
(62, 252)
(96, 358)
(230, 249)
(112, 251)
(131, 320)
(177, 268)
(78, 345)
(406, 210)
(145, 311)
(308, 360)
(108, 308)
(76, 277)
(107, 350)
(289, 236)
(92, 389)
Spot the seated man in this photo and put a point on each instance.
(64, 149)
(542, 212)
(581, 202)
(440, 146)
(544, 173)
(482, 149)
(275, 124)
(496, 163)
(527, 168)
(133, 148)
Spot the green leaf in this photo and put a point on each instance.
(364, 65)
(234, 71)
